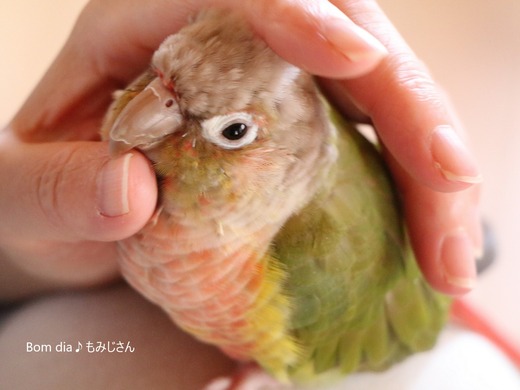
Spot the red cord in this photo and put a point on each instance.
(469, 316)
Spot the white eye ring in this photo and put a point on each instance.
(231, 131)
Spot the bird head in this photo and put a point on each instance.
(226, 120)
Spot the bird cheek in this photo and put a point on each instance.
(189, 147)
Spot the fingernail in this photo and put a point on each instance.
(113, 187)
(452, 157)
(352, 41)
(458, 260)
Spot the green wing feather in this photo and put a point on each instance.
(358, 300)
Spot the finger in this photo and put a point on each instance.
(408, 110)
(445, 232)
(314, 35)
(112, 43)
(73, 191)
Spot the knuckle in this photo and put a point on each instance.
(412, 76)
(51, 185)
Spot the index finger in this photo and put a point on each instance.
(408, 109)
(113, 41)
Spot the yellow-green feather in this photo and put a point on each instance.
(357, 298)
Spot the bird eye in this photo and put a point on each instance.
(235, 131)
(231, 131)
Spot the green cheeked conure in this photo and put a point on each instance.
(278, 235)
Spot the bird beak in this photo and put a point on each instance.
(150, 116)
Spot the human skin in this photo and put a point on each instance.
(67, 202)
(435, 172)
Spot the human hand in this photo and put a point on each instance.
(59, 223)
(424, 146)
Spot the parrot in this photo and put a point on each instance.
(278, 235)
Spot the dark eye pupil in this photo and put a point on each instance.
(235, 131)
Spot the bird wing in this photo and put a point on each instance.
(358, 300)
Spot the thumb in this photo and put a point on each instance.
(71, 191)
